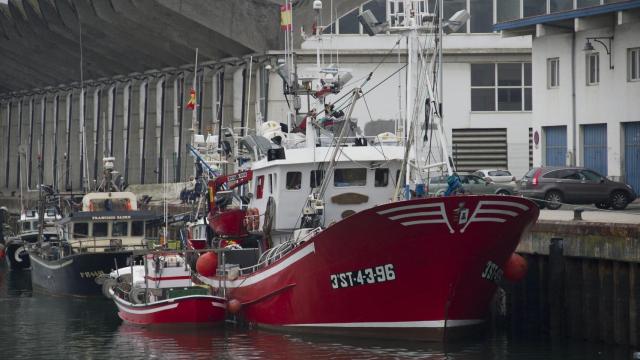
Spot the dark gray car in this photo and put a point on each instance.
(574, 185)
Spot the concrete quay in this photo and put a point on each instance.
(583, 280)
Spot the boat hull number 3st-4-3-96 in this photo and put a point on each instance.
(366, 276)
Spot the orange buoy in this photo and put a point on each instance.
(515, 269)
(207, 264)
(234, 306)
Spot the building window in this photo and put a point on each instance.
(634, 64)
(481, 16)
(349, 177)
(534, 7)
(501, 87)
(507, 10)
(553, 73)
(593, 68)
(294, 180)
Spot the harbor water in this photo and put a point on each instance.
(34, 325)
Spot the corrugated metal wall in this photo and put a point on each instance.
(555, 145)
(632, 154)
(594, 147)
(475, 149)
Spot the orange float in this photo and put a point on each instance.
(207, 264)
(515, 269)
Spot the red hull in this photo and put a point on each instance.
(194, 309)
(408, 269)
(228, 223)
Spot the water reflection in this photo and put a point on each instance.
(34, 325)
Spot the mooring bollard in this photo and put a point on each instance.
(577, 214)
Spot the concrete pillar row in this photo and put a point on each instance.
(126, 131)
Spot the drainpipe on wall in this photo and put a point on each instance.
(572, 155)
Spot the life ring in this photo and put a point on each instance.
(128, 205)
(136, 295)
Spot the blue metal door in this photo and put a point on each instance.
(632, 155)
(555, 145)
(595, 147)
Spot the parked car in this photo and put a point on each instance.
(471, 184)
(496, 175)
(574, 185)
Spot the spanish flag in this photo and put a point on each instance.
(191, 105)
(285, 17)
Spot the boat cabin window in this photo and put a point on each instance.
(260, 187)
(26, 226)
(272, 183)
(350, 177)
(294, 180)
(80, 230)
(381, 178)
(137, 228)
(120, 228)
(316, 178)
(100, 229)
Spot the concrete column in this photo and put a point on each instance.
(159, 133)
(134, 134)
(98, 134)
(8, 152)
(3, 140)
(118, 115)
(56, 153)
(82, 137)
(168, 139)
(21, 148)
(43, 150)
(178, 92)
(126, 128)
(67, 140)
(238, 93)
(150, 132)
(111, 117)
(29, 162)
(142, 123)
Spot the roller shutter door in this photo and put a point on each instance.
(632, 155)
(555, 145)
(594, 140)
(475, 149)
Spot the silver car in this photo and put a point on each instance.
(471, 184)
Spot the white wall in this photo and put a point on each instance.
(362, 53)
(613, 101)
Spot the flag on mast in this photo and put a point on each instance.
(285, 17)
(191, 105)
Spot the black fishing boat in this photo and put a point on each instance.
(94, 241)
(16, 246)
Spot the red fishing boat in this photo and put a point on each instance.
(162, 294)
(350, 244)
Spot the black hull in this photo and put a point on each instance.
(75, 274)
(18, 261)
